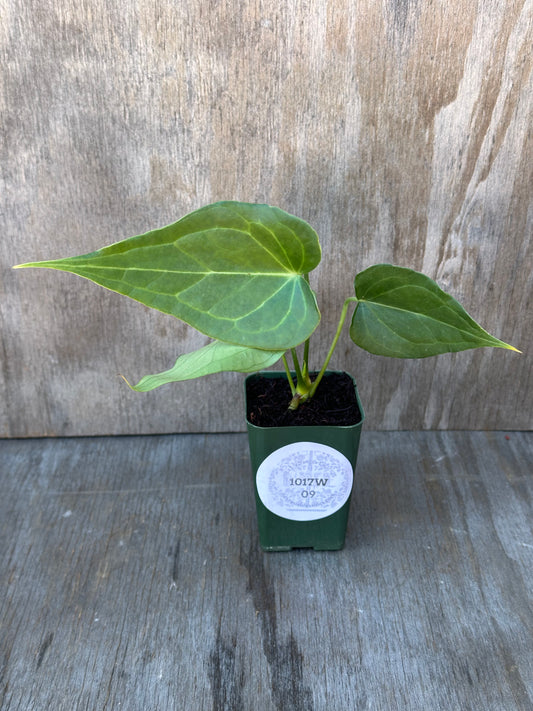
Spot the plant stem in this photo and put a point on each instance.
(306, 346)
(288, 372)
(306, 359)
(303, 383)
(298, 370)
(342, 319)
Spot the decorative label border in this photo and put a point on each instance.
(304, 481)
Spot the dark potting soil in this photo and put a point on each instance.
(334, 403)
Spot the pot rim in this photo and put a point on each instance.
(282, 373)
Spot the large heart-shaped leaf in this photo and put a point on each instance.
(216, 357)
(235, 271)
(404, 314)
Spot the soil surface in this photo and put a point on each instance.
(334, 403)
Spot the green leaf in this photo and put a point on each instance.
(234, 271)
(404, 314)
(216, 357)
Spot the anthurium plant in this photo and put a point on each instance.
(239, 273)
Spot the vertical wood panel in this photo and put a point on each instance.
(401, 131)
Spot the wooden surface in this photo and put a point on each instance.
(400, 130)
(131, 578)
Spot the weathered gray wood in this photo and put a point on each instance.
(400, 130)
(131, 578)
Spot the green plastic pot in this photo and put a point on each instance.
(303, 480)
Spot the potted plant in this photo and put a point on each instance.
(239, 273)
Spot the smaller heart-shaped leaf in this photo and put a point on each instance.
(404, 314)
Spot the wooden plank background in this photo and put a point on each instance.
(401, 131)
(134, 580)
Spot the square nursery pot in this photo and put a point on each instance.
(303, 477)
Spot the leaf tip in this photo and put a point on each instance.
(29, 264)
(126, 381)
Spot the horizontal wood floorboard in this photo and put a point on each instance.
(131, 578)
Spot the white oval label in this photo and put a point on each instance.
(304, 481)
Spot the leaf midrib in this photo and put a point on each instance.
(431, 318)
(283, 275)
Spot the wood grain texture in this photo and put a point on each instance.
(131, 577)
(400, 130)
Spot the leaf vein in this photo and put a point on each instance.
(249, 223)
(424, 316)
